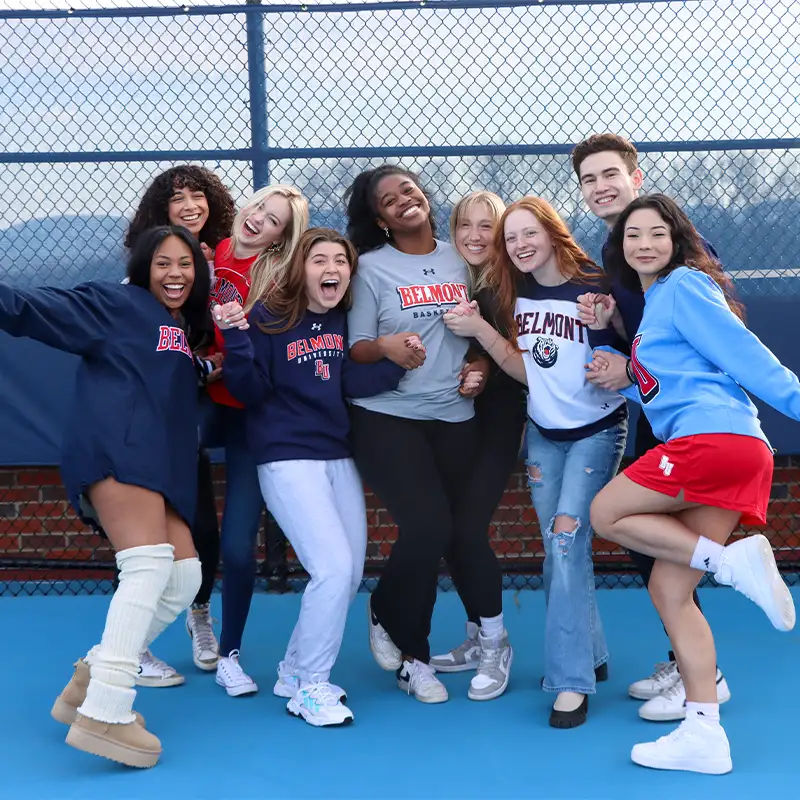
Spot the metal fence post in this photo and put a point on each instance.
(257, 80)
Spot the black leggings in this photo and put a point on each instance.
(474, 568)
(205, 531)
(646, 440)
(420, 470)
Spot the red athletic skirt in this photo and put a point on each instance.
(714, 469)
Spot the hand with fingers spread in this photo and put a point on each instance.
(231, 315)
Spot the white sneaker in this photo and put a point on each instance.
(232, 678)
(666, 675)
(671, 704)
(155, 673)
(494, 669)
(696, 745)
(383, 648)
(205, 648)
(748, 565)
(319, 706)
(417, 678)
(288, 684)
(465, 657)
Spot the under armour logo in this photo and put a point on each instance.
(666, 466)
(316, 326)
(429, 272)
(605, 406)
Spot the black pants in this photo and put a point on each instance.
(205, 531)
(646, 440)
(419, 469)
(476, 572)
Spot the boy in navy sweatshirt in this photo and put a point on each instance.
(607, 168)
(293, 374)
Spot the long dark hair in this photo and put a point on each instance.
(195, 310)
(153, 208)
(362, 209)
(288, 301)
(687, 249)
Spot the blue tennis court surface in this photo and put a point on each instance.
(220, 747)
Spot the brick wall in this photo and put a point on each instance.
(36, 522)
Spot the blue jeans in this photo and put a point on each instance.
(241, 518)
(564, 478)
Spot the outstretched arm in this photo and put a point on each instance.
(703, 318)
(73, 320)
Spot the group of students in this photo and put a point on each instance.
(392, 357)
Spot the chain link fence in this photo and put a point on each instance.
(96, 102)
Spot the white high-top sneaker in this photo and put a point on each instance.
(696, 745)
(205, 648)
(748, 565)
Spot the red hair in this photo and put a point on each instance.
(502, 276)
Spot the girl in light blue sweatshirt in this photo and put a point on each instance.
(690, 364)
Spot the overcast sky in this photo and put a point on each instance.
(542, 74)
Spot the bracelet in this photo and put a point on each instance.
(629, 372)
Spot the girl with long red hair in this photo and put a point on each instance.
(575, 436)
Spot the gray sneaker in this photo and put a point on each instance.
(465, 657)
(494, 668)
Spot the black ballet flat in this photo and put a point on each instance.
(600, 674)
(570, 719)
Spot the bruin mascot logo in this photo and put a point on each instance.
(545, 352)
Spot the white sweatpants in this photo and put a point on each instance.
(320, 507)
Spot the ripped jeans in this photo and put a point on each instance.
(564, 478)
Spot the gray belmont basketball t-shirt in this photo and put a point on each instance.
(395, 292)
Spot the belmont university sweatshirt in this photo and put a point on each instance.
(294, 385)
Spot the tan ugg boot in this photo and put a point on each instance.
(128, 744)
(65, 708)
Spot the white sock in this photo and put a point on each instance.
(706, 711)
(706, 555)
(181, 589)
(114, 663)
(492, 627)
(472, 630)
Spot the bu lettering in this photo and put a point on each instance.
(322, 370)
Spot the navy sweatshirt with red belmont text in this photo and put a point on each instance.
(134, 413)
(294, 384)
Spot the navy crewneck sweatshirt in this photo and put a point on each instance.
(294, 385)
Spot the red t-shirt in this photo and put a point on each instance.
(231, 284)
